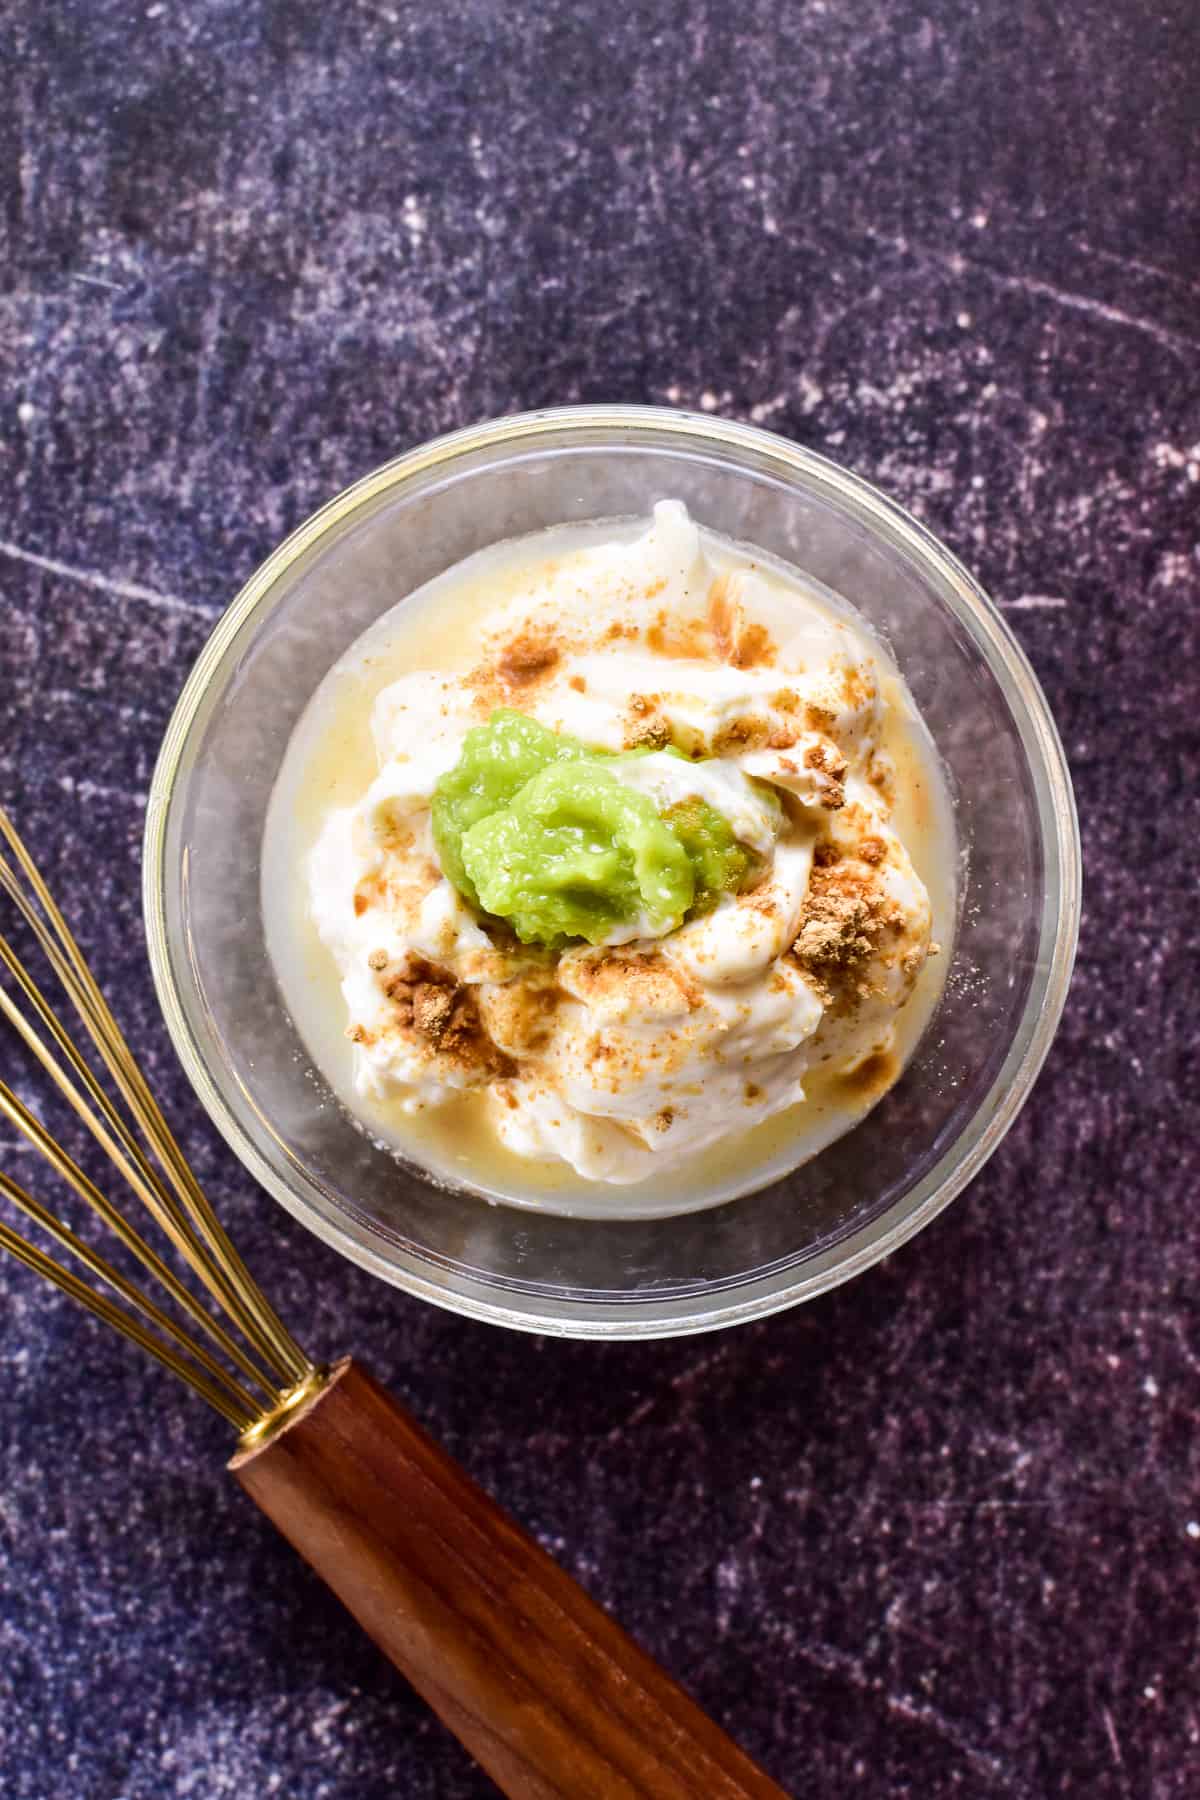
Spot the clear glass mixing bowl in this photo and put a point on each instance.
(819, 1224)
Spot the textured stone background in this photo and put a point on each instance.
(940, 1533)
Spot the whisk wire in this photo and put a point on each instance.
(76, 979)
(104, 1271)
(275, 1365)
(69, 1171)
(128, 1159)
(103, 1308)
(253, 1314)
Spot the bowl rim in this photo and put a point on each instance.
(657, 1316)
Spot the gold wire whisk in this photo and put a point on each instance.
(251, 1378)
(520, 1663)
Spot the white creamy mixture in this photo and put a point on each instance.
(626, 1058)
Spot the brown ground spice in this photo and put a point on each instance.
(846, 915)
(432, 1004)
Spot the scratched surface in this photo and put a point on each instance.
(940, 1533)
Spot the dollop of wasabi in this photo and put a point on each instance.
(536, 828)
(720, 865)
(497, 761)
(574, 855)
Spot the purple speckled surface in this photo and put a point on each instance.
(938, 1533)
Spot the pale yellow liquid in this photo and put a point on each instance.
(330, 762)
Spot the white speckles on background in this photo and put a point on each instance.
(934, 1535)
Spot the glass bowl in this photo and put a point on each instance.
(819, 1224)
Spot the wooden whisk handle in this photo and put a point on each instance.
(539, 1683)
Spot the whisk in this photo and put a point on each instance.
(539, 1683)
